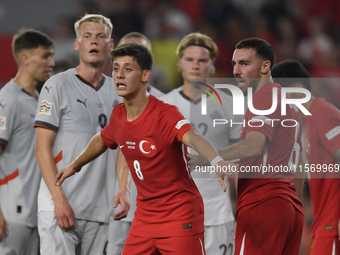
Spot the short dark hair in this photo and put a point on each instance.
(139, 53)
(292, 69)
(262, 48)
(26, 39)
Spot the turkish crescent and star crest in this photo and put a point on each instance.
(147, 147)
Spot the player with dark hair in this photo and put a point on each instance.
(322, 148)
(74, 106)
(119, 229)
(153, 137)
(269, 213)
(19, 171)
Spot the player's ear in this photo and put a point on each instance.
(112, 44)
(24, 58)
(146, 75)
(265, 67)
(76, 44)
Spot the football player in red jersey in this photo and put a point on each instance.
(322, 148)
(269, 213)
(153, 136)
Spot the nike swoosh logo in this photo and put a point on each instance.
(121, 146)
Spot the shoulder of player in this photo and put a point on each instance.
(321, 109)
(10, 92)
(163, 107)
(170, 96)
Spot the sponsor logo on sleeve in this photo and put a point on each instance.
(2, 123)
(45, 107)
(333, 133)
(262, 119)
(181, 123)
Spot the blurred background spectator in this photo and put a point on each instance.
(307, 30)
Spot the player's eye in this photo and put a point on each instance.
(128, 69)
(116, 69)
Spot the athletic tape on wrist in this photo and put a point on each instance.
(216, 160)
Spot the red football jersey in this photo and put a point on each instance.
(322, 131)
(168, 201)
(278, 152)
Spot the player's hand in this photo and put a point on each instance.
(225, 168)
(3, 229)
(122, 198)
(196, 160)
(64, 214)
(65, 173)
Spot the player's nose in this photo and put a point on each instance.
(236, 70)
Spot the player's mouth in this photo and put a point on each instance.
(240, 82)
(94, 51)
(195, 74)
(120, 85)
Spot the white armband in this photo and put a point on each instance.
(216, 160)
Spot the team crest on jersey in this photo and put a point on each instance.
(2, 123)
(45, 107)
(147, 147)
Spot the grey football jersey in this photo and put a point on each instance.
(217, 206)
(76, 111)
(19, 171)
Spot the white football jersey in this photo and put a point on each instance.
(76, 111)
(217, 206)
(19, 171)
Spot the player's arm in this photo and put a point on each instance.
(300, 176)
(3, 229)
(249, 148)
(94, 149)
(207, 151)
(62, 209)
(124, 179)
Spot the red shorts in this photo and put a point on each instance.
(272, 227)
(188, 245)
(326, 245)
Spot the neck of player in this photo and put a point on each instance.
(190, 90)
(25, 80)
(136, 104)
(93, 75)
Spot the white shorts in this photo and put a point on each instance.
(89, 238)
(20, 240)
(219, 239)
(118, 232)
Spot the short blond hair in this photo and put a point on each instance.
(96, 18)
(197, 39)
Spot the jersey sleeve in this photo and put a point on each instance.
(328, 129)
(50, 107)
(172, 124)
(108, 132)
(8, 117)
